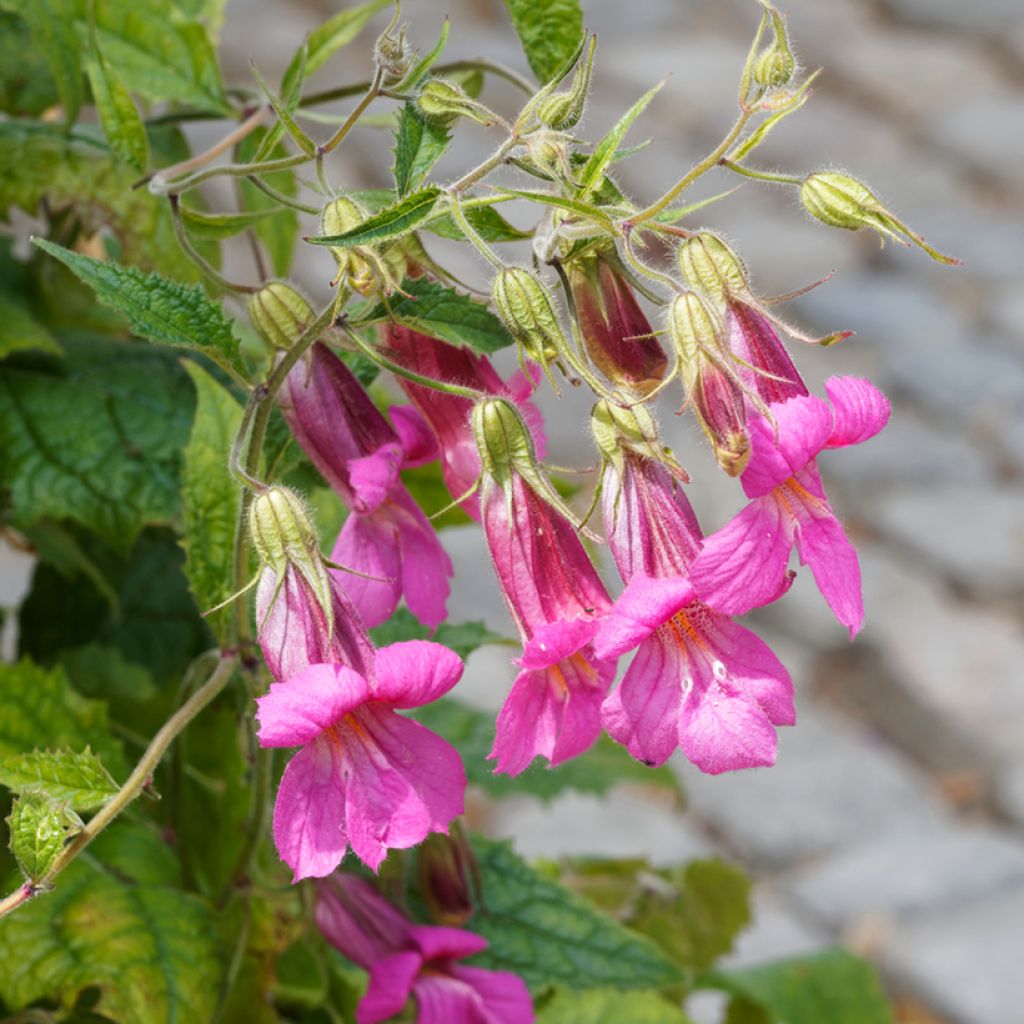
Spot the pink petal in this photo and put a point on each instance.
(298, 710)
(419, 445)
(743, 565)
(802, 428)
(643, 713)
(443, 999)
(369, 544)
(309, 815)
(552, 712)
(642, 607)
(390, 986)
(415, 672)
(426, 567)
(372, 477)
(553, 641)
(436, 943)
(859, 410)
(357, 920)
(822, 545)
(405, 782)
(505, 995)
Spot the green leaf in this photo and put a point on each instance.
(210, 498)
(137, 853)
(284, 114)
(606, 1006)
(280, 229)
(38, 708)
(435, 309)
(391, 222)
(150, 951)
(548, 935)
(550, 31)
(101, 670)
(419, 144)
(157, 308)
(27, 86)
(19, 331)
(832, 986)
(156, 625)
(605, 151)
(122, 123)
(462, 637)
(75, 778)
(599, 770)
(325, 40)
(52, 26)
(38, 826)
(586, 210)
(218, 226)
(485, 220)
(95, 438)
(158, 56)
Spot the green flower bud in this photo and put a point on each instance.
(563, 110)
(616, 428)
(843, 202)
(339, 216)
(443, 100)
(708, 264)
(392, 55)
(524, 305)
(503, 440)
(280, 314)
(693, 326)
(775, 66)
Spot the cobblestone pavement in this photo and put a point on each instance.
(893, 820)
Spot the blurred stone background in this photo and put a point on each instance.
(893, 819)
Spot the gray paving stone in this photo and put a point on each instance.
(908, 872)
(831, 785)
(976, 535)
(966, 962)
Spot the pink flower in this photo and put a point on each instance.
(698, 680)
(421, 961)
(447, 416)
(554, 595)
(360, 455)
(366, 777)
(743, 564)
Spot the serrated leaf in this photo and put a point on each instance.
(51, 23)
(419, 144)
(548, 935)
(462, 637)
(210, 498)
(157, 624)
(76, 778)
(485, 220)
(599, 770)
(325, 40)
(605, 151)
(120, 118)
(150, 951)
(38, 828)
(27, 86)
(606, 1006)
(218, 226)
(435, 309)
(38, 708)
(95, 438)
(832, 986)
(550, 31)
(280, 227)
(158, 56)
(392, 222)
(157, 308)
(19, 331)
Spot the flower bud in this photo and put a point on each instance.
(711, 266)
(280, 314)
(843, 202)
(339, 216)
(449, 878)
(711, 386)
(442, 100)
(616, 334)
(775, 66)
(525, 307)
(549, 154)
(392, 55)
(617, 428)
(503, 440)
(563, 110)
(281, 529)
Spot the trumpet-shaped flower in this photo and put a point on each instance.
(366, 777)
(742, 565)
(419, 961)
